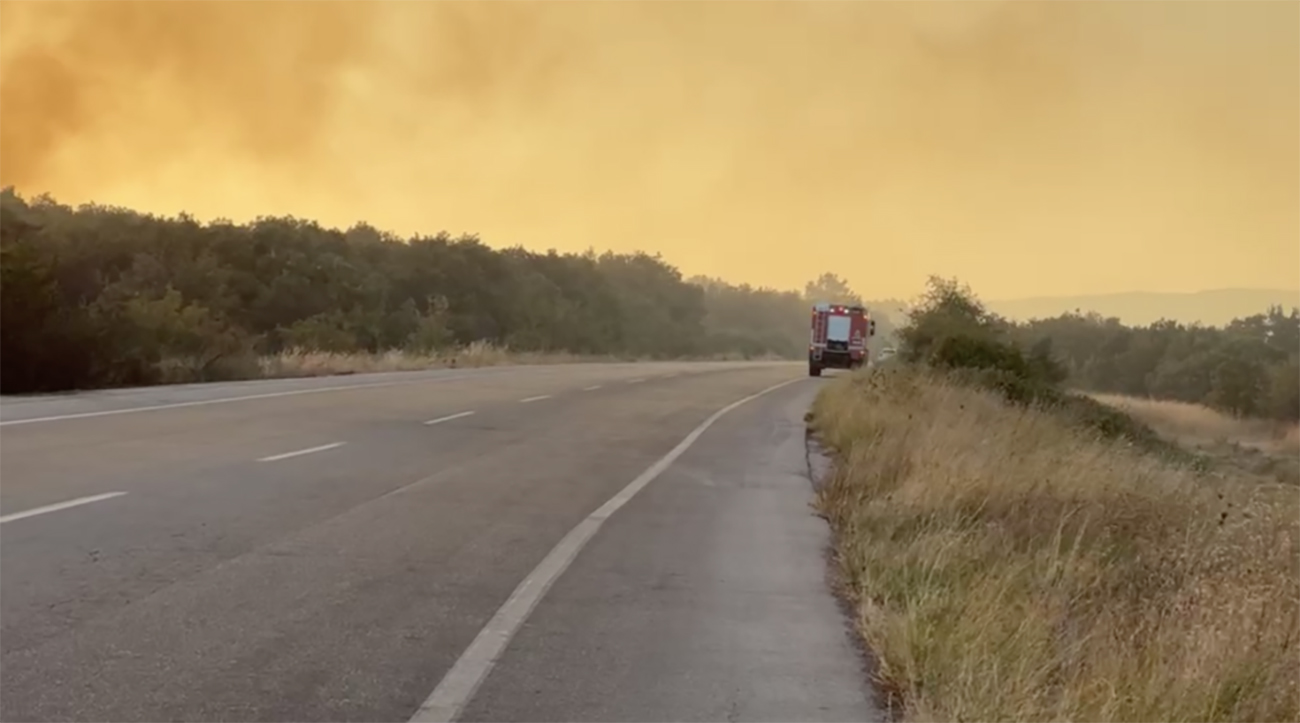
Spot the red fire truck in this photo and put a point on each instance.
(839, 337)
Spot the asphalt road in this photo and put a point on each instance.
(497, 544)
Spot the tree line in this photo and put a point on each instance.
(1249, 367)
(98, 296)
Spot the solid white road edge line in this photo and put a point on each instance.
(534, 399)
(591, 388)
(227, 400)
(448, 418)
(460, 683)
(635, 381)
(60, 506)
(299, 453)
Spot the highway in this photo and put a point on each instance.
(588, 542)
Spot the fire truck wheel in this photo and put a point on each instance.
(814, 370)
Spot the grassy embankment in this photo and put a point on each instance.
(1009, 563)
(306, 363)
(1017, 552)
(309, 363)
(1266, 448)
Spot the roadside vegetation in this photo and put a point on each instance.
(1268, 448)
(1015, 551)
(1200, 426)
(310, 363)
(97, 296)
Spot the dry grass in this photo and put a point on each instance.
(1005, 567)
(306, 363)
(1199, 425)
(1262, 447)
(311, 363)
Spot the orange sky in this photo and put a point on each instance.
(1031, 148)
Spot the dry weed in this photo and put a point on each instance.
(1262, 447)
(1199, 425)
(312, 363)
(300, 363)
(1004, 567)
(305, 363)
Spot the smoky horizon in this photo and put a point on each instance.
(1031, 149)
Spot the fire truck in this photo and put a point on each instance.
(839, 337)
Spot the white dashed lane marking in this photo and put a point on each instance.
(448, 418)
(299, 453)
(60, 506)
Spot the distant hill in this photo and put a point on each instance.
(1213, 308)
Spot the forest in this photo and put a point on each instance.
(98, 296)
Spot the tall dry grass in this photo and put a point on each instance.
(1262, 447)
(1005, 567)
(302, 362)
(313, 363)
(1202, 426)
(306, 363)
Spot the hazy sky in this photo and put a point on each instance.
(1031, 148)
